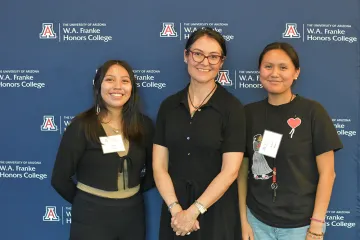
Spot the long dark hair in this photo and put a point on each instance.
(131, 116)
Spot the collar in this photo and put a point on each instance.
(214, 101)
(285, 105)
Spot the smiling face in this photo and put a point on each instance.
(277, 72)
(116, 87)
(203, 71)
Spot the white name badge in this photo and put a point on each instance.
(270, 143)
(112, 144)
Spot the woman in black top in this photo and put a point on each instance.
(287, 192)
(107, 149)
(198, 149)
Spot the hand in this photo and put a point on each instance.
(175, 210)
(185, 221)
(195, 227)
(315, 227)
(312, 238)
(247, 232)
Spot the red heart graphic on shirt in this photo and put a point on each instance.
(294, 122)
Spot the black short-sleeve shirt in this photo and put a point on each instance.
(196, 145)
(198, 142)
(307, 132)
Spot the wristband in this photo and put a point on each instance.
(315, 235)
(172, 205)
(317, 220)
(200, 207)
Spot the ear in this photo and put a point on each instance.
(222, 62)
(186, 56)
(297, 73)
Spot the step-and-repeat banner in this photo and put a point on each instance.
(50, 49)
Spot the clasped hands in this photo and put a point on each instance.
(183, 222)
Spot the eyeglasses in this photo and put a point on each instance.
(199, 57)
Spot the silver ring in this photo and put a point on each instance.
(188, 233)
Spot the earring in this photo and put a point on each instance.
(185, 61)
(97, 109)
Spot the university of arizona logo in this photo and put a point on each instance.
(51, 215)
(47, 31)
(223, 78)
(168, 30)
(291, 31)
(48, 124)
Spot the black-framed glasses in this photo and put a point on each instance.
(212, 58)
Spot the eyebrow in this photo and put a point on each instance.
(203, 51)
(276, 63)
(109, 75)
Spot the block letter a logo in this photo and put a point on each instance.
(291, 31)
(51, 215)
(168, 30)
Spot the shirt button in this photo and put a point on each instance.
(188, 154)
(190, 122)
(188, 138)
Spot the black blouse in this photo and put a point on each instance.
(198, 142)
(196, 146)
(84, 160)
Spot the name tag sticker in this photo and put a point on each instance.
(112, 144)
(270, 143)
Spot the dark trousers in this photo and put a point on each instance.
(97, 218)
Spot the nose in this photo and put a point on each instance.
(205, 61)
(275, 72)
(117, 84)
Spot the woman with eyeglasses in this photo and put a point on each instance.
(198, 148)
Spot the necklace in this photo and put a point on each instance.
(291, 98)
(115, 130)
(196, 108)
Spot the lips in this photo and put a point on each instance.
(116, 94)
(203, 70)
(274, 81)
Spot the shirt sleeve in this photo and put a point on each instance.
(72, 147)
(324, 135)
(159, 137)
(147, 181)
(234, 131)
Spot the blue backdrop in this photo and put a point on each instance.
(50, 50)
